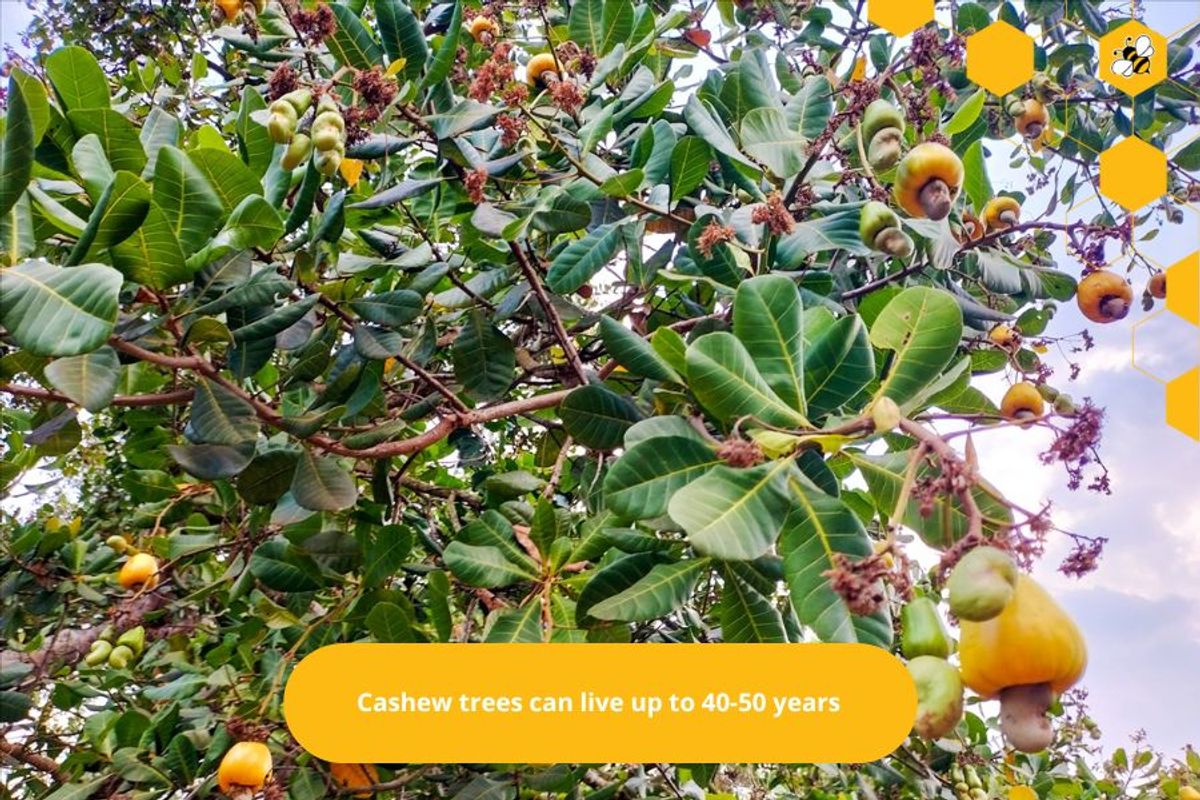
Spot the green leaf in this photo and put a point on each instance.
(119, 212)
(254, 223)
(818, 528)
(321, 484)
(585, 25)
(77, 78)
(220, 417)
(767, 138)
(14, 706)
(581, 259)
(118, 137)
(484, 358)
(689, 165)
(746, 615)
(188, 201)
(283, 568)
(16, 148)
(722, 375)
(467, 116)
(922, 326)
(227, 176)
(836, 231)
(1188, 159)
(254, 140)
(388, 623)
(402, 36)
(212, 462)
(623, 184)
(268, 477)
(610, 580)
(351, 43)
(706, 124)
(809, 110)
(513, 484)
(975, 177)
(596, 417)
(483, 565)
(152, 255)
(160, 130)
(749, 85)
(634, 353)
(91, 164)
(838, 365)
(52, 311)
(734, 514)
(522, 624)
(447, 51)
(37, 104)
(662, 590)
(769, 320)
(967, 113)
(90, 380)
(392, 308)
(279, 320)
(16, 232)
(642, 481)
(616, 25)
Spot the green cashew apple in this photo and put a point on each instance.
(981, 584)
(120, 657)
(939, 696)
(922, 632)
(98, 653)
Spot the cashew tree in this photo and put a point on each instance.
(601, 321)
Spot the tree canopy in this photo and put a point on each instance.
(603, 321)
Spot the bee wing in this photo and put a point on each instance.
(1145, 47)
(1123, 67)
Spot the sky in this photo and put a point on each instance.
(1140, 611)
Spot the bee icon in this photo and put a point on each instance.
(1134, 57)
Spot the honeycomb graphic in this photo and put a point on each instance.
(1133, 58)
(1133, 173)
(999, 58)
(1183, 301)
(900, 17)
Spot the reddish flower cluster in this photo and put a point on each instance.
(516, 94)
(493, 75)
(474, 182)
(1084, 556)
(774, 215)
(859, 583)
(714, 234)
(283, 80)
(375, 88)
(1076, 448)
(511, 127)
(567, 95)
(575, 59)
(740, 453)
(316, 25)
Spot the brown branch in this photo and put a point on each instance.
(133, 400)
(560, 332)
(35, 760)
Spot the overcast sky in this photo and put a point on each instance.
(1140, 611)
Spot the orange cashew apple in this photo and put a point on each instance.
(1157, 285)
(1022, 402)
(1025, 655)
(929, 180)
(1001, 213)
(484, 29)
(140, 570)
(1032, 119)
(542, 69)
(244, 769)
(355, 776)
(1103, 296)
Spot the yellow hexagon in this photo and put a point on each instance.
(1183, 288)
(1183, 403)
(900, 17)
(999, 58)
(1133, 173)
(1133, 57)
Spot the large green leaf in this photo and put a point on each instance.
(734, 514)
(230, 179)
(152, 255)
(598, 417)
(16, 148)
(188, 202)
(388, 622)
(769, 320)
(642, 481)
(52, 311)
(722, 375)
(947, 521)
(37, 103)
(809, 110)
(583, 258)
(662, 590)
(484, 358)
(491, 529)
(282, 567)
(767, 138)
(610, 580)
(392, 308)
(707, 124)
(89, 379)
(746, 615)
(161, 129)
(818, 528)
(118, 136)
(16, 232)
(585, 25)
(77, 78)
(279, 320)
(351, 43)
(522, 624)
(835, 231)
(838, 365)
(922, 326)
(254, 223)
(254, 140)
(120, 211)
(402, 36)
(320, 483)
(220, 417)
(483, 565)
(689, 165)
(443, 59)
(749, 85)
(633, 352)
